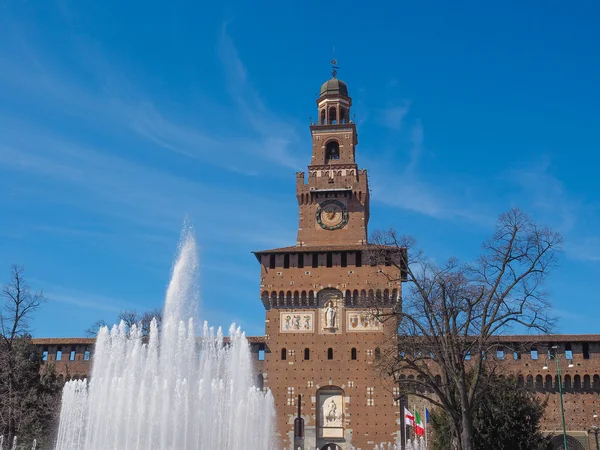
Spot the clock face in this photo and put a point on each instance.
(332, 215)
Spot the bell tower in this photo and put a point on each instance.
(334, 199)
(321, 340)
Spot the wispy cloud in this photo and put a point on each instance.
(411, 188)
(83, 299)
(393, 116)
(279, 138)
(544, 194)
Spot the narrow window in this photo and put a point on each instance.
(45, 354)
(500, 354)
(568, 351)
(286, 261)
(344, 259)
(377, 353)
(290, 397)
(86, 354)
(301, 260)
(358, 259)
(586, 350)
(370, 400)
(315, 261)
(283, 354)
(306, 354)
(260, 381)
(353, 354)
(58, 353)
(534, 354)
(329, 353)
(271, 261)
(516, 355)
(396, 392)
(261, 354)
(72, 354)
(329, 259)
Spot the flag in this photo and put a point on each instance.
(427, 416)
(409, 418)
(419, 429)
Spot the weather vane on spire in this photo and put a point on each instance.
(334, 68)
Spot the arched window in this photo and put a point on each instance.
(549, 383)
(283, 354)
(332, 151)
(567, 383)
(596, 385)
(587, 385)
(329, 353)
(332, 115)
(377, 353)
(353, 354)
(306, 354)
(344, 115)
(577, 383)
(529, 382)
(539, 383)
(260, 381)
(323, 116)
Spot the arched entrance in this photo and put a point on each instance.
(556, 443)
(331, 447)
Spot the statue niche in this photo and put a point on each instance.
(331, 412)
(331, 303)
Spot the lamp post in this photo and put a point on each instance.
(595, 429)
(556, 357)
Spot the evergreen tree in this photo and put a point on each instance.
(507, 418)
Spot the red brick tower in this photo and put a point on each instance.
(321, 341)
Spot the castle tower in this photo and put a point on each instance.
(322, 342)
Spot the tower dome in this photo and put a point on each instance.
(333, 86)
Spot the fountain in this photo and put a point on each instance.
(173, 391)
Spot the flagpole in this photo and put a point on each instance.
(425, 412)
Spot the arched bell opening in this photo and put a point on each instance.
(332, 151)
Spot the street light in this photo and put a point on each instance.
(556, 357)
(595, 429)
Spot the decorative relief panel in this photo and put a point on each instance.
(297, 322)
(358, 321)
(331, 416)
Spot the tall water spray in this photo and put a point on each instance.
(173, 391)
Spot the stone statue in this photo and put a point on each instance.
(330, 315)
(331, 415)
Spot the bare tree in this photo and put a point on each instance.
(19, 305)
(451, 315)
(130, 318)
(29, 401)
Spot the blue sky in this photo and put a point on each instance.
(118, 119)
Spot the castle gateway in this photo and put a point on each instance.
(321, 340)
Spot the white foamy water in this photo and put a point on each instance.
(176, 391)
